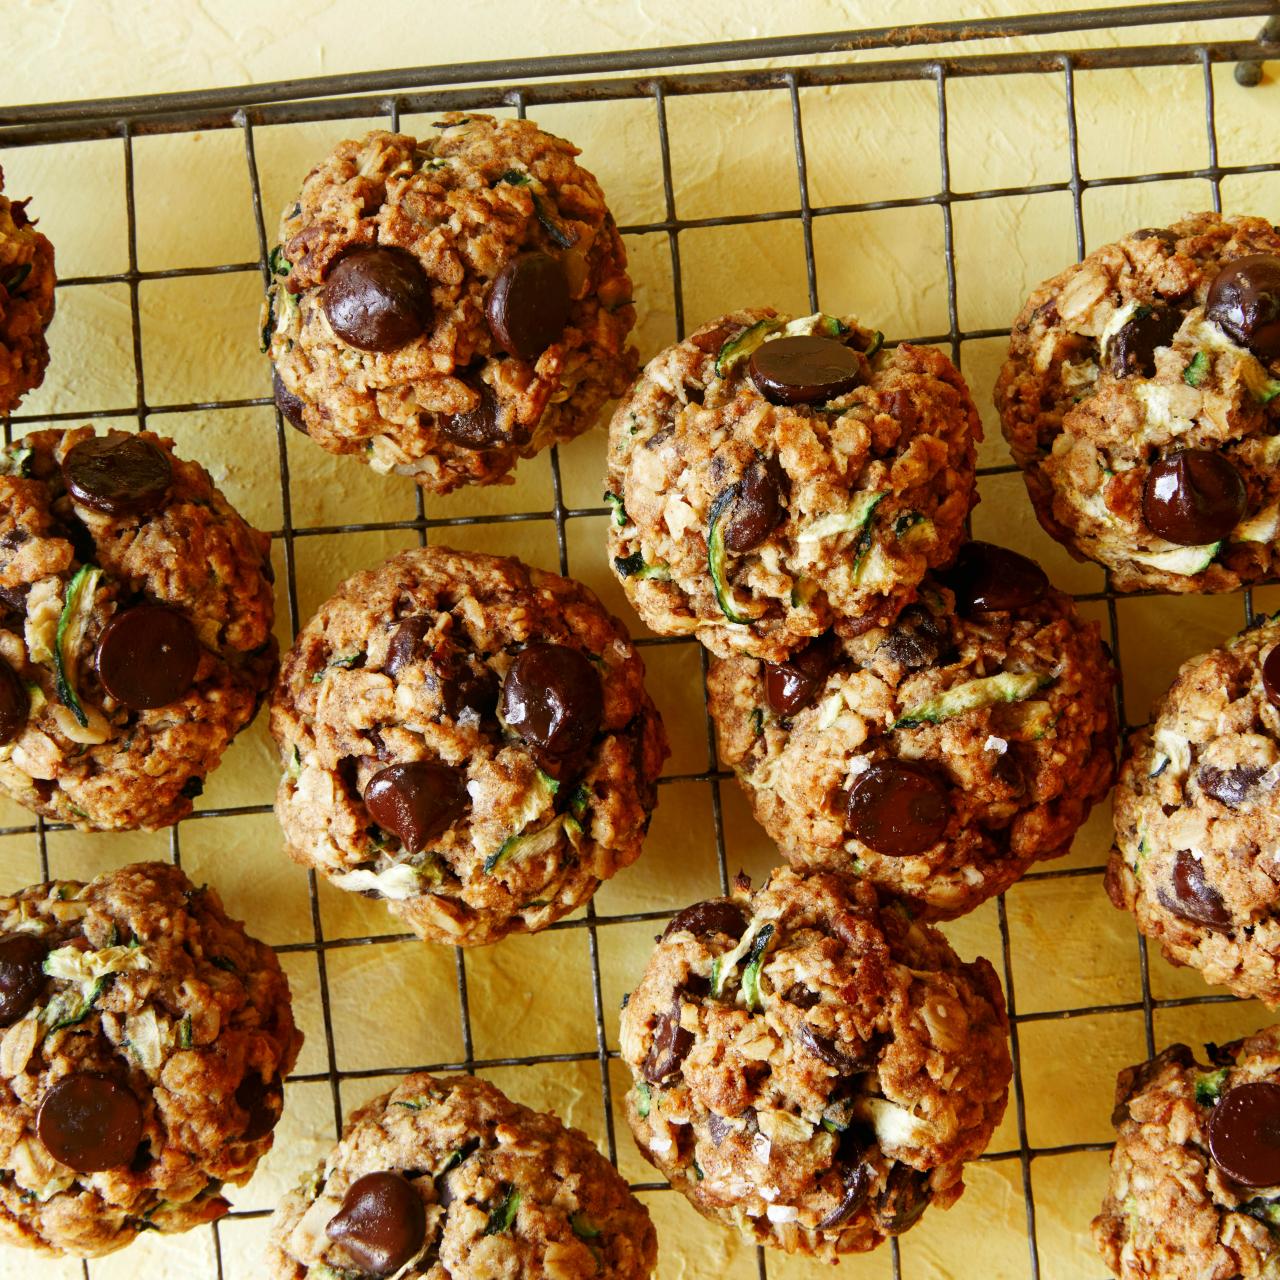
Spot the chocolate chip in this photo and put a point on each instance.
(528, 305)
(148, 657)
(382, 1223)
(477, 428)
(1192, 497)
(791, 685)
(707, 919)
(118, 474)
(90, 1123)
(15, 703)
(804, 370)
(671, 1044)
(801, 996)
(1133, 348)
(757, 510)
(916, 640)
(416, 801)
(1191, 897)
(552, 697)
(263, 1100)
(826, 1050)
(407, 645)
(990, 579)
(1244, 302)
(1232, 787)
(1165, 236)
(1271, 676)
(290, 406)
(897, 808)
(377, 299)
(906, 1196)
(21, 975)
(858, 1180)
(1244, 1134)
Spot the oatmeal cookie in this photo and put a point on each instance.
(443, 307)
(771, 478)
(26, 301)
(445, 1178)
(940, 756)
(145, 1040)
(1141, 398)
(1197, 817)
(469, 739)
(135, 627)
(810, 1068)
(1195, 1174)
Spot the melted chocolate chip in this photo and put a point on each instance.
(804, 370)
(791, 685)
(462, 685)
(858, 1180)
(1193, 497)
(1244, 302)
(118, 474)
(382, 1223)
(148, 657)
(416, 801)
(407, 644)
(290, 406)
(801, 996)
(477, 428)
(1165, 236)
(897, 808)
(528, 305)
(15, 703)
(707, 919)
(1191, 896)
(1244, 1134)
(916, 640)
(263, 1101)
(1133, 348)
(377, 299)
(552, 697)
(1271, 676)
(90, 1123)
(906, 1196)
(1232, 787)
(21, 975)
(671, 1044)
(757, 510)
(826, 1050)
(990, 579)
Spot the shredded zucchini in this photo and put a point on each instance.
(77, 609)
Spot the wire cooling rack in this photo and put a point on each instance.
(795, 63)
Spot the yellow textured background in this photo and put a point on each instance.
(394, 1003)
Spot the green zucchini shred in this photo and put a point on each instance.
(741, 345)
(347, 662)
(1193, 374)
(803, 593)
(757, 721)
(69, 1008)
(877, 342)
(1209, 1087)
(278, 263)
(717, 555)
(72, 625)
(646, 1100)
(184, 1032)
(751, 974)
(533, 842)
(972, 695)
(504, 1216)
(16, 460)
(1269, 392)
(619, 511)
(634, 566)
(583, 1227)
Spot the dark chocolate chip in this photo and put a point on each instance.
(416, 801)
(669, 1047)
(1191, 896)
(1244, 1134)
(706, 919)
(377, 299)
(528, 305)
(552, 697)
(148, 657)
(15, 703)
(477, 428)
(858, 1180)
(906, 1196)
(118, 474)
(382, 1223)
(757, 510)
(1244, 302)
(791, 685)
(1232, 787)
(90, 1123)
(1165, 236)
(801, 996)
(991, 579)
(804, 370)
(290, 406)
(407, 645)
(1132, 349)
(21, 975)
(1192, 497)
(917, 640)
(825, 1050)
(1271, 676)
(897, 807)
(263, 1101)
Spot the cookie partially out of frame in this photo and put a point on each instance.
(442, 307)
(26, 301)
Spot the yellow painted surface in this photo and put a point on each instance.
(394, 1004)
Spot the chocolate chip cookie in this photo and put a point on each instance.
(442, 307)
(135, 627)
(1195, 1174)
(145, 1038)
(939, 756)
(810, 1068)
(1141, 398)
(26, 301)
(771, 478)
(469, 739)
(1197, 817)
(446, 1177)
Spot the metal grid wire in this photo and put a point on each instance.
(511, 85)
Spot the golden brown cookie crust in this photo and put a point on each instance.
(126, 769)
(526, 1198)
(157, 988)
(464, 202)
(527, 850)
(27, 282)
